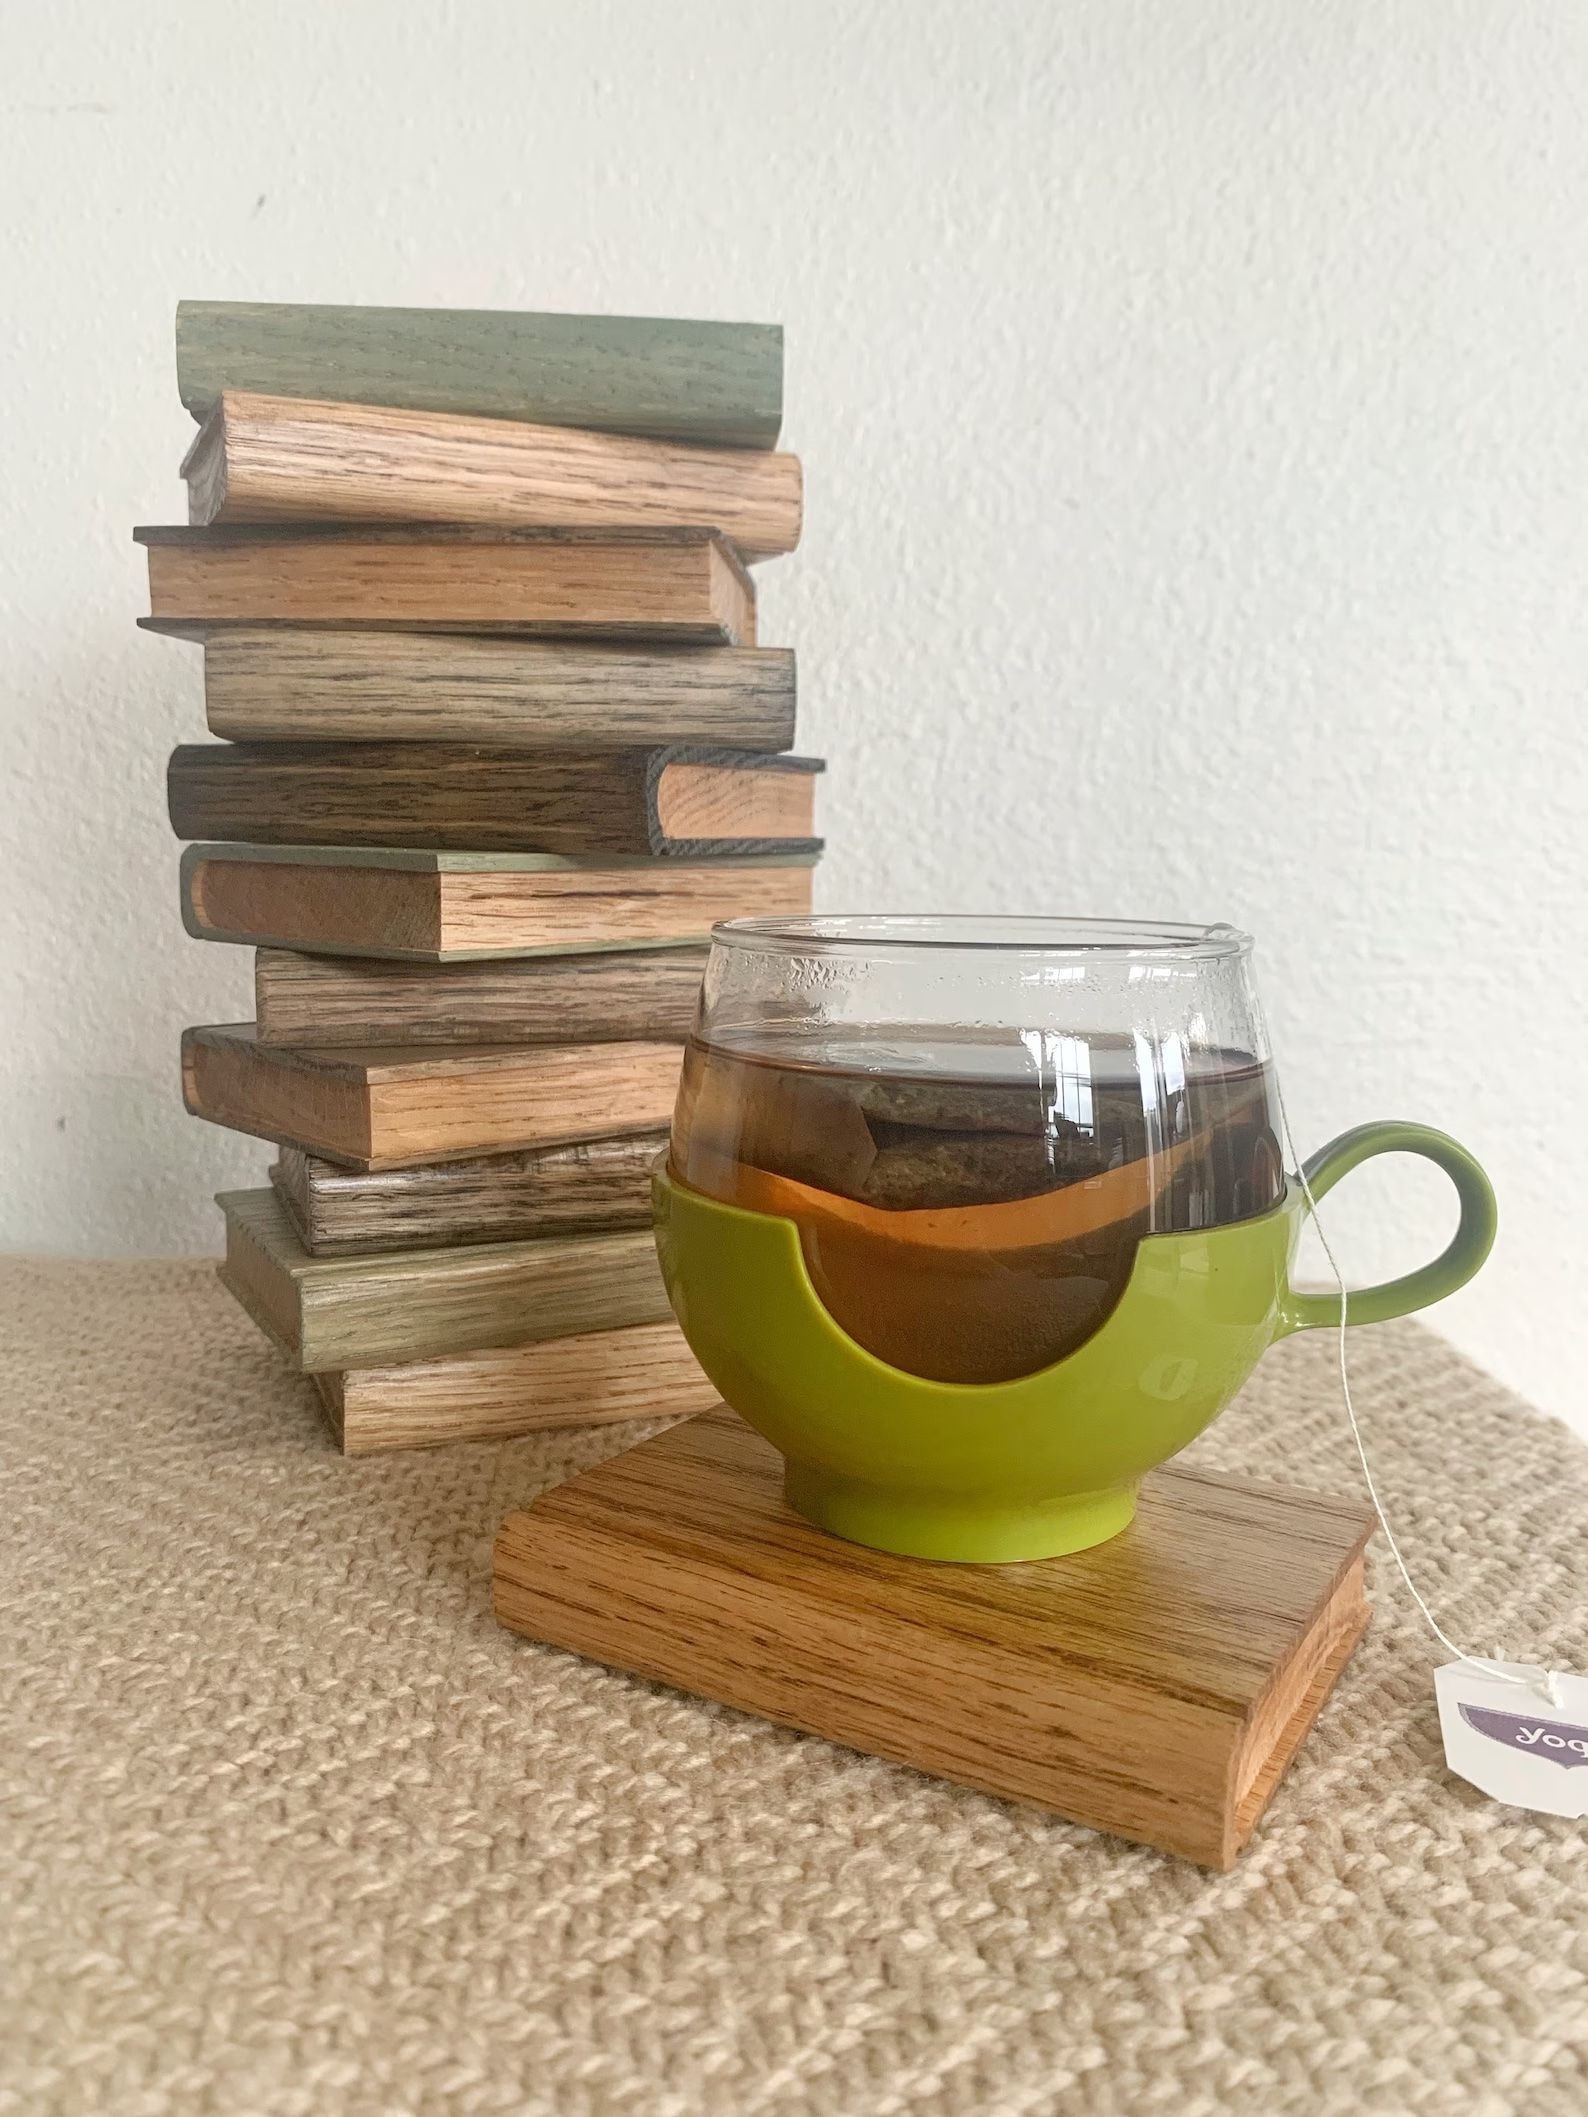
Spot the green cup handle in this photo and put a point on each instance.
(1468, 1247)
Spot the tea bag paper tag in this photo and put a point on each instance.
(1511, 1742)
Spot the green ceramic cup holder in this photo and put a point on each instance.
(1048, 1463)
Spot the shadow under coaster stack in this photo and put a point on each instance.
(499, 746)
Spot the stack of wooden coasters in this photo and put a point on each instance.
(499, 748)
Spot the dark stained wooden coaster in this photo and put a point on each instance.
(1156, 1686)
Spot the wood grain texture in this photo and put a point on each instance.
(720, 801)
(677, 379)
(647, 995)
(437, 907)
(1155, 1686)
(669, 802)
(599, 1379)
(301, 685)
(348, 1312)
(390, 1108)
(686, 587)
(285, 459)
(587, 1188)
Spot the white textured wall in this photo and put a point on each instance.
(1195, 404)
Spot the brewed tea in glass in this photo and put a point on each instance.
(973, 1137)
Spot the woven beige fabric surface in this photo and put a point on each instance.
(291, 1829)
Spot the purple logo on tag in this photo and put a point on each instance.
(1557, 1740)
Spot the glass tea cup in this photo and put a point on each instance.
(978, 1220)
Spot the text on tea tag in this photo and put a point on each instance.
(1504, 1736)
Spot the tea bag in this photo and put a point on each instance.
(974, 1141)
(914, 1168)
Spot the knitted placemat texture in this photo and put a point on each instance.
(290, 1828)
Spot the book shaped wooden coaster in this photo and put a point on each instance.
(677, 377)
(686, 586)
(275, 459)
(596, 1379)
(1156, 1686)
(586, 1188)
(390, 1107)
(647, 995)
(675, 801)
(373, 1311)
(435, 907)
(293, 683)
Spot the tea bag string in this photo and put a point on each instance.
(1543, 1680)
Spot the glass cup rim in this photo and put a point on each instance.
(1050, 939)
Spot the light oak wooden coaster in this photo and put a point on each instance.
(1156, 1686)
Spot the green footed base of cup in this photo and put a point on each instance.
(960, 1531)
